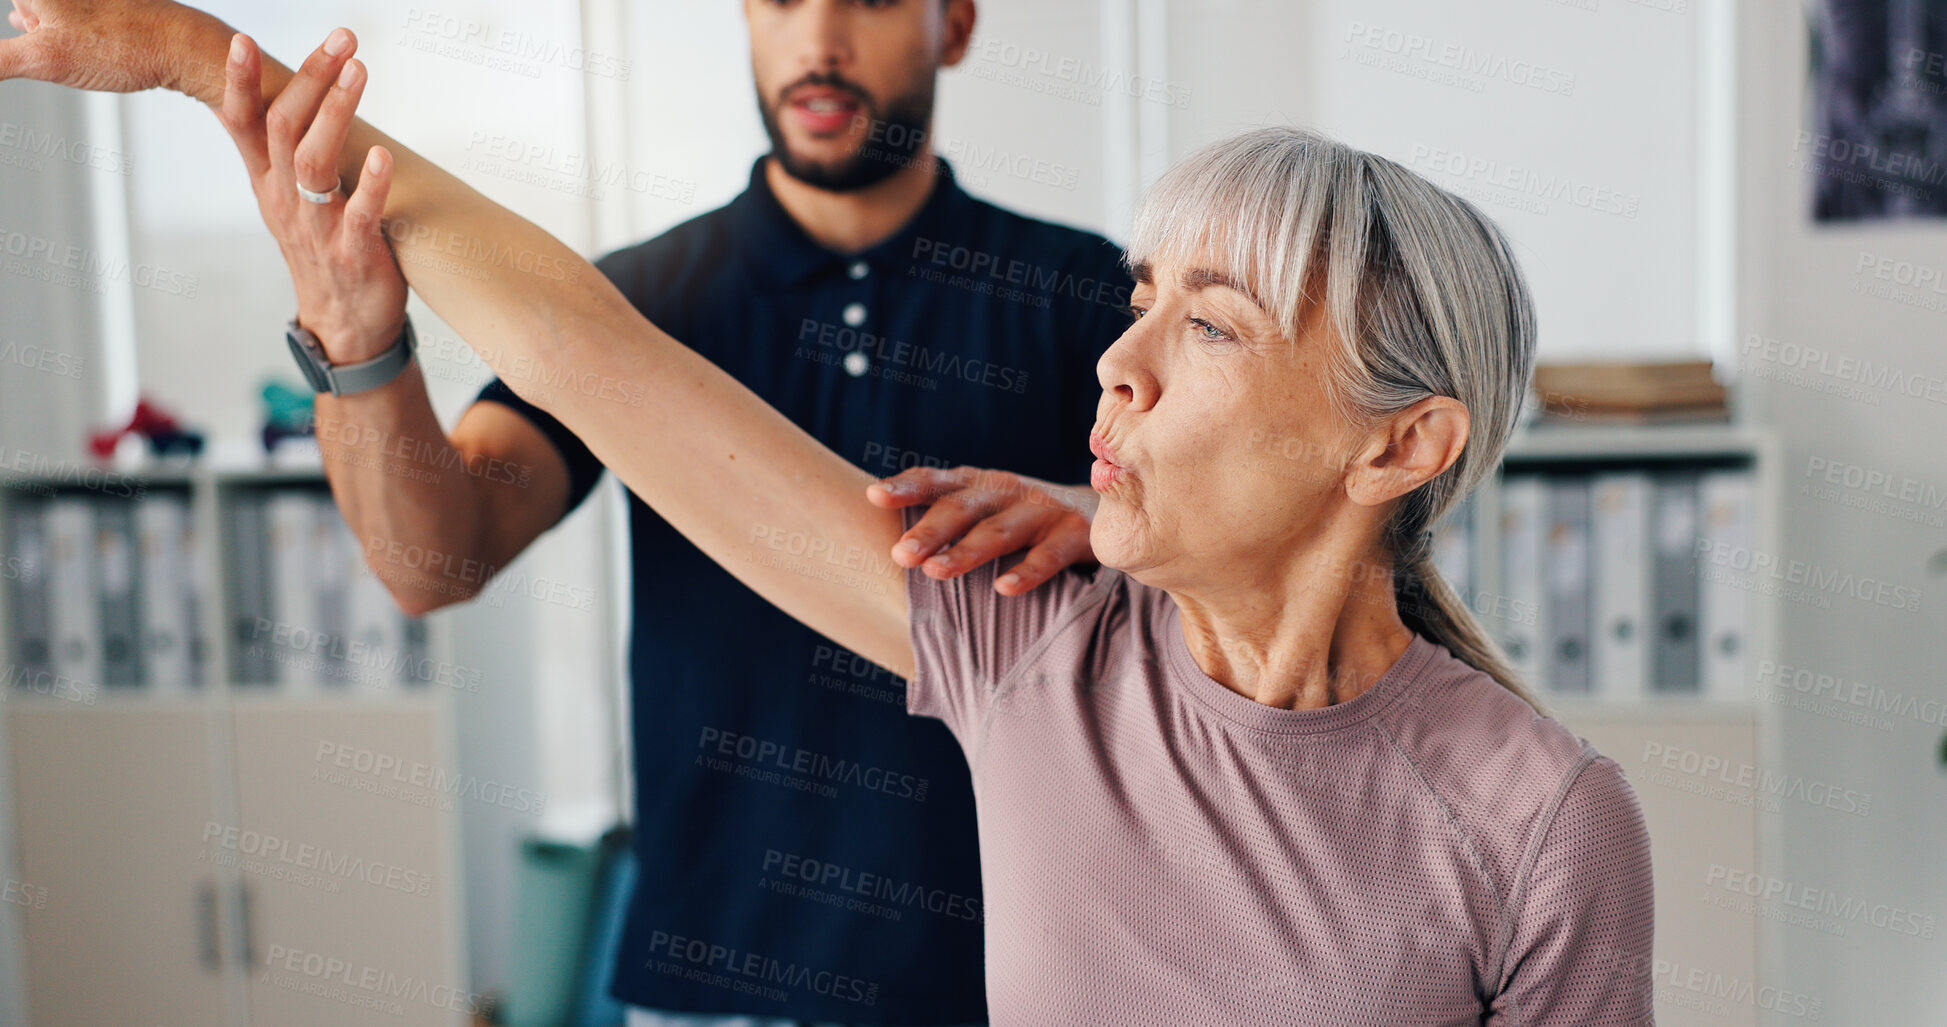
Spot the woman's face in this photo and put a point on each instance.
(1222, 458)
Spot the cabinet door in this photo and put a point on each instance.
(345, 810)
(112, 805)
(1706, 960)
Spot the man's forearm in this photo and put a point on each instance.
(410, 496)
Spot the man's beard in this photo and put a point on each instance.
(892, 141)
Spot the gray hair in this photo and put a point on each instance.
(1422, 289)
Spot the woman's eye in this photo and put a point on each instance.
(1209, 332)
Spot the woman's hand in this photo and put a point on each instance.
(978, 515)
(115, 46)
(350, 293)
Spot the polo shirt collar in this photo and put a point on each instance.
(778, 252)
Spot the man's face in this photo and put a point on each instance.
(845, 87)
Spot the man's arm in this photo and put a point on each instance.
(463, 505)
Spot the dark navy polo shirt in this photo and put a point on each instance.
(806, 848)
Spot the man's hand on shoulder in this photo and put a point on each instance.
(975, 516)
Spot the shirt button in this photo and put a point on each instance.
(856, 363)
(858, 270)
(854, 314)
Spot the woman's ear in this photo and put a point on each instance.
(1408, 449)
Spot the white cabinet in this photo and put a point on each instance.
(270, 843)
(110, 805)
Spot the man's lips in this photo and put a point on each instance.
(824, 109)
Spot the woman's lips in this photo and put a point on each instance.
(1105, 471)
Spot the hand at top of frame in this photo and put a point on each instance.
(350, 293)
(978, 515)
(116, 46)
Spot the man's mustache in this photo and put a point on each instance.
(828, 81)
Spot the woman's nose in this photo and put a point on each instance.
(1124, 372)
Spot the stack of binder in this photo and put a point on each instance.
(309, 615)
(113, 597)
(1605, 588)
(108, 594)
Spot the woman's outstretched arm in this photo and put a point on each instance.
(756, 493)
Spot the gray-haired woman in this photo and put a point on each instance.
(1260, 767)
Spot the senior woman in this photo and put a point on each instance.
(1260, 766)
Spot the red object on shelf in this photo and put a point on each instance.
(164, 432)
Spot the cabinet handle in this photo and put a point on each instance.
(211, 954)
(247, 938)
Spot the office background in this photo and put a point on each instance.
(1681, 130)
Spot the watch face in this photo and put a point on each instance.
(309, 361)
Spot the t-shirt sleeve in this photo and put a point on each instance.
(969, 640)
(584, 471)
(1580, 952)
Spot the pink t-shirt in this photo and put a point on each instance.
(1157, 849)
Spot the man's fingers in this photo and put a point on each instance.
(946, 521)
(317, 157)
(1062, 550)
(1003, 531)
(297, 106)
(364, 227)
(242, 113)
(917, 485)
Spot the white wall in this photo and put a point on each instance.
(1798, 289)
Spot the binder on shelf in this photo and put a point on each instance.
(373, 621)
(1522, 625)
(331, 574)
(1566, 579)
(292, 642)
(1725, 497)
(1619, 633)
(1674, 574)
(251, 629)
(74, 606)
(30, 646)
(116, 574)
(168, 601)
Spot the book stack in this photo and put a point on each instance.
(1629, 393)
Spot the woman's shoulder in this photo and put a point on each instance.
(1501, 767)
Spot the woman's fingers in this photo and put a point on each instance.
(318, 154)
(242, 113)
(291, 115)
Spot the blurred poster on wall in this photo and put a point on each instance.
(1878, 145)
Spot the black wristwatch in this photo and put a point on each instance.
(347, 379)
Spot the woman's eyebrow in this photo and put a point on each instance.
(1196, 279)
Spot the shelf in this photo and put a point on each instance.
(1662, 708)
(1622, 443)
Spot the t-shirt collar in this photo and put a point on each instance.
(778, 252)
(1213, 695)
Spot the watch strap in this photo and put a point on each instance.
(350, 379)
